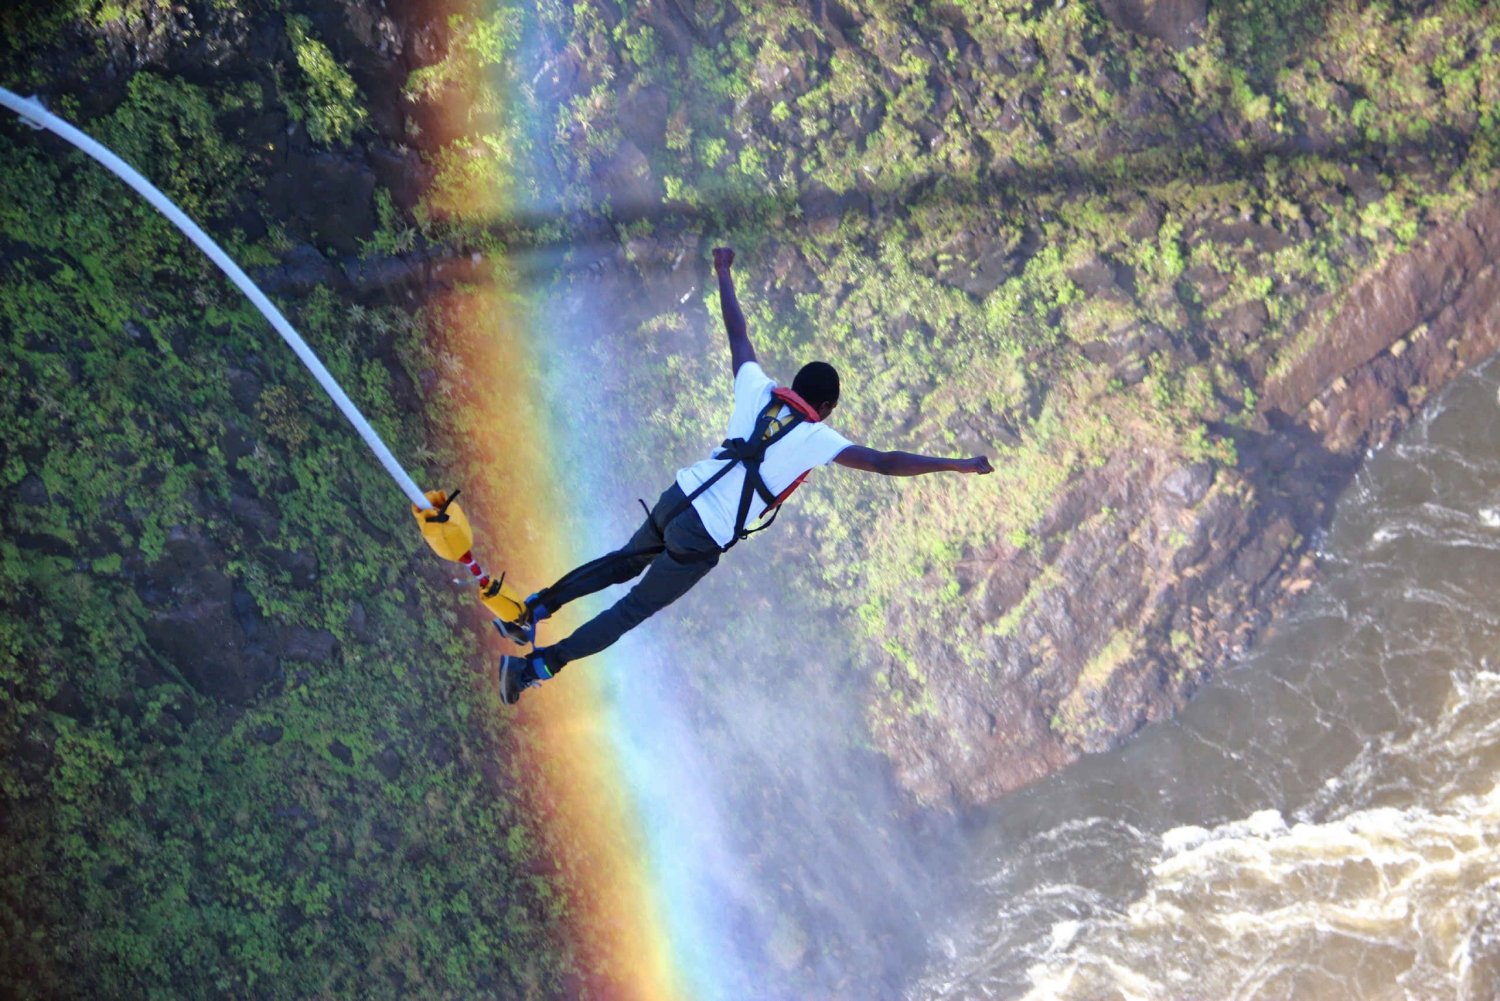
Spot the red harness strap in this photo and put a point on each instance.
(802, 407)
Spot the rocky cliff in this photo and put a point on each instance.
(247, 749)
(1178, 265)
(1196, 559)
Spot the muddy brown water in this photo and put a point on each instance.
(1322, 822)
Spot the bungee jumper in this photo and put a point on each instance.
(776, 436)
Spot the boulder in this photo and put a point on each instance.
(333, 194)
(625, 179)
(202, 623)
(1178, 23)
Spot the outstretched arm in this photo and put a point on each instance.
(908, 463)
(740, 350)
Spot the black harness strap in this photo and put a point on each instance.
(748, 453)
(737, 451)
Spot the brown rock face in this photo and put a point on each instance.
(1159, 571)
(1403, 332)
(1179, 23)
(208, 627)
(202, 624)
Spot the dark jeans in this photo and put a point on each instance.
(674, 555)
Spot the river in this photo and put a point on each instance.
(1321, 822)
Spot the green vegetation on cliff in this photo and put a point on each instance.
(246, 749)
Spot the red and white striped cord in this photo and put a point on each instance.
(468, 560)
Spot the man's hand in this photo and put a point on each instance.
(979, 464)
(723, 258)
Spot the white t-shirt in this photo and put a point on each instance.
(805, 447)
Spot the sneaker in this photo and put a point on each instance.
(522, 632)
(516, 675)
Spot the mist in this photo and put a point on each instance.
(788, 863)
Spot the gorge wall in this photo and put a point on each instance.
(1121, 212)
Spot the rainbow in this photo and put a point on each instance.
(562, 743)
(661, 905)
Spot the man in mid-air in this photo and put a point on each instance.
(776, 436)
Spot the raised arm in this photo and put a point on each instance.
(908, 463)
(740, 350)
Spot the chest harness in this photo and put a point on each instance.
(750, 452)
